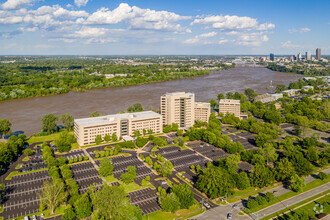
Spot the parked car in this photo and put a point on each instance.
(34, 217)
(207, 205)
(229, 215)
(26, 217)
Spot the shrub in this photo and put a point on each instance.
(86, 157)
(80, 158)
(102, 153)
(97, 155)
(107, 153)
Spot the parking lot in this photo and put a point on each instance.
(21, 194)
(208, 150)
(245, 138)
(121, 163)
(72, 154)
(146, 199)
(181, 159)
(85, 175)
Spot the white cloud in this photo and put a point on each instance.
(80, 3)
(232, 22)
(65, 40)
(138, 18)
(288, 44)
(16, 4)
(223, 41)
(33, 29)
(252, 39)
(300, 30)
(89, 32)
(11, 20)
(200, 38)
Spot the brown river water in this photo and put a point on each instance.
(26, 114)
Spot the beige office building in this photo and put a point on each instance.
(86, 129)
(230, 106)
(202, 111)
(178, 107)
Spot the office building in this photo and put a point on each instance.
(291, 92)
(230, 106)
(291, 58)
(86, 129)
(318, 53)
(178, 107)
(272, 57)
(299, 57)
(202, 111)
(263, 98)
(308, 56)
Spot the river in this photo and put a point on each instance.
(26, 114)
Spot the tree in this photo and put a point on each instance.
(269, 153)
(165, 169)
(312, 154)
(28, 152)
(94, 114)
(269, 196)
(63, 143)
(149, 161)
(322, 175)
(231, 163)
(137, 107)
(185, 195)
(67, 120)
(261, 139)
(69, 213)
(5, 126)
(129, 176)
(179, 132)
(220, 96)
(261, 176)
(213, 103)
(284, 170)
(215, 182)
(159, 141)
(107, 138)
(52, 194)
(261, 200)
(297, 183)
(83, 206)
(250, 93)
(114, 137)
(106, 167)
(49, 123)
(252, 203)
(137, 133)
(98, 139)
(169, 202)
(117, 205)
(243, 181)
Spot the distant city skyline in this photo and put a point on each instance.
(147, 27)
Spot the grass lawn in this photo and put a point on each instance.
(149, 185)
(18, 166)
(111, 179)
(288, 195)
(50, 137)
(130, 187)
(74, 146)
(25, 158)
(299, 204)
(182, 213)
(15, 173)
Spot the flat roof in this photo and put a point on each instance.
(112, 118)
(177, 93)
(202, 104)
(229, 101)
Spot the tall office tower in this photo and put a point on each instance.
(308, 56)
(272, 57)
(291, 58)
(178, 107)
(318, 53)
(294, 57)
(202, 111)
(230, 106)
(299, 56)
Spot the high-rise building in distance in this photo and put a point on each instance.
(299, 57)
(272, 57)
(318, 53)
(308, 56)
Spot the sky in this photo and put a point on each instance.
(163, 27)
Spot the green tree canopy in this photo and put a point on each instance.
(49, 123)
(106, 167)
(67, 120)
(5, 126)
(185, 195)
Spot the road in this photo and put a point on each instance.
(221, 212)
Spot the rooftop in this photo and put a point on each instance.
(229, 101)
(113, 118)
(202, 104)
(178, 93)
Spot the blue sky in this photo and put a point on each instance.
(143, 27)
